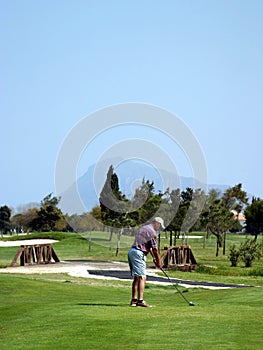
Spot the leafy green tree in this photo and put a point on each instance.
(171, 206)
(235, 198)
(194, 209)
(5, 214)
(73, 222)
(185, 200)
(49, 216)
(146, 201)
(186, 207)
(184, 203)
(254, 217)
(142, 194)
(213, 195)
(113, 203)
(24, 219)
(218, 220)
(237, 227)
(96, 213)
(86, 222)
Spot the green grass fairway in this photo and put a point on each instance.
(55, 311)
(60, 312)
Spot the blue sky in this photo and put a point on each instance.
(62, 60)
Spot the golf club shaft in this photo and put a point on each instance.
(178, 290)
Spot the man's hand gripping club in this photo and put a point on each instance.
(156, 257)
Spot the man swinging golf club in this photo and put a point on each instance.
(144, 243)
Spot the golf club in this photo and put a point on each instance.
(190, 303)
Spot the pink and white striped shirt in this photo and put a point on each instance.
(145, 239)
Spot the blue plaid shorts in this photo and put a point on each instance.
(137, 262)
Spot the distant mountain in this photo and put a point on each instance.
(130, 174)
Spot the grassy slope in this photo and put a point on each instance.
(62, 312)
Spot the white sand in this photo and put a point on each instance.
(26, 242)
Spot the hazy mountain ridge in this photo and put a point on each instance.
(130, 175)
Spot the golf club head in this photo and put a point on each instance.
(191, 303)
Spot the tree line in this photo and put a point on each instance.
(183, 211)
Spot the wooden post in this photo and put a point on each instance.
(22, 257)
(89, 239)
(54, 255)
(17, 256)
(34, 254)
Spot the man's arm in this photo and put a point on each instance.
(156, 257)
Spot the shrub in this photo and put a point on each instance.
(234, 254)
(206, 269)
(258, 272)
(249, 251)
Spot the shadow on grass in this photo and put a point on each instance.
(125, 275)
(84, 261)
(103, 304)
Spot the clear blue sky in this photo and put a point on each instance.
(62, 60)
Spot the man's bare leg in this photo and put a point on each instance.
(141, 287)
(138, 286)
(135, 284)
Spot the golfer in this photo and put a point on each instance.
(144, 242)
